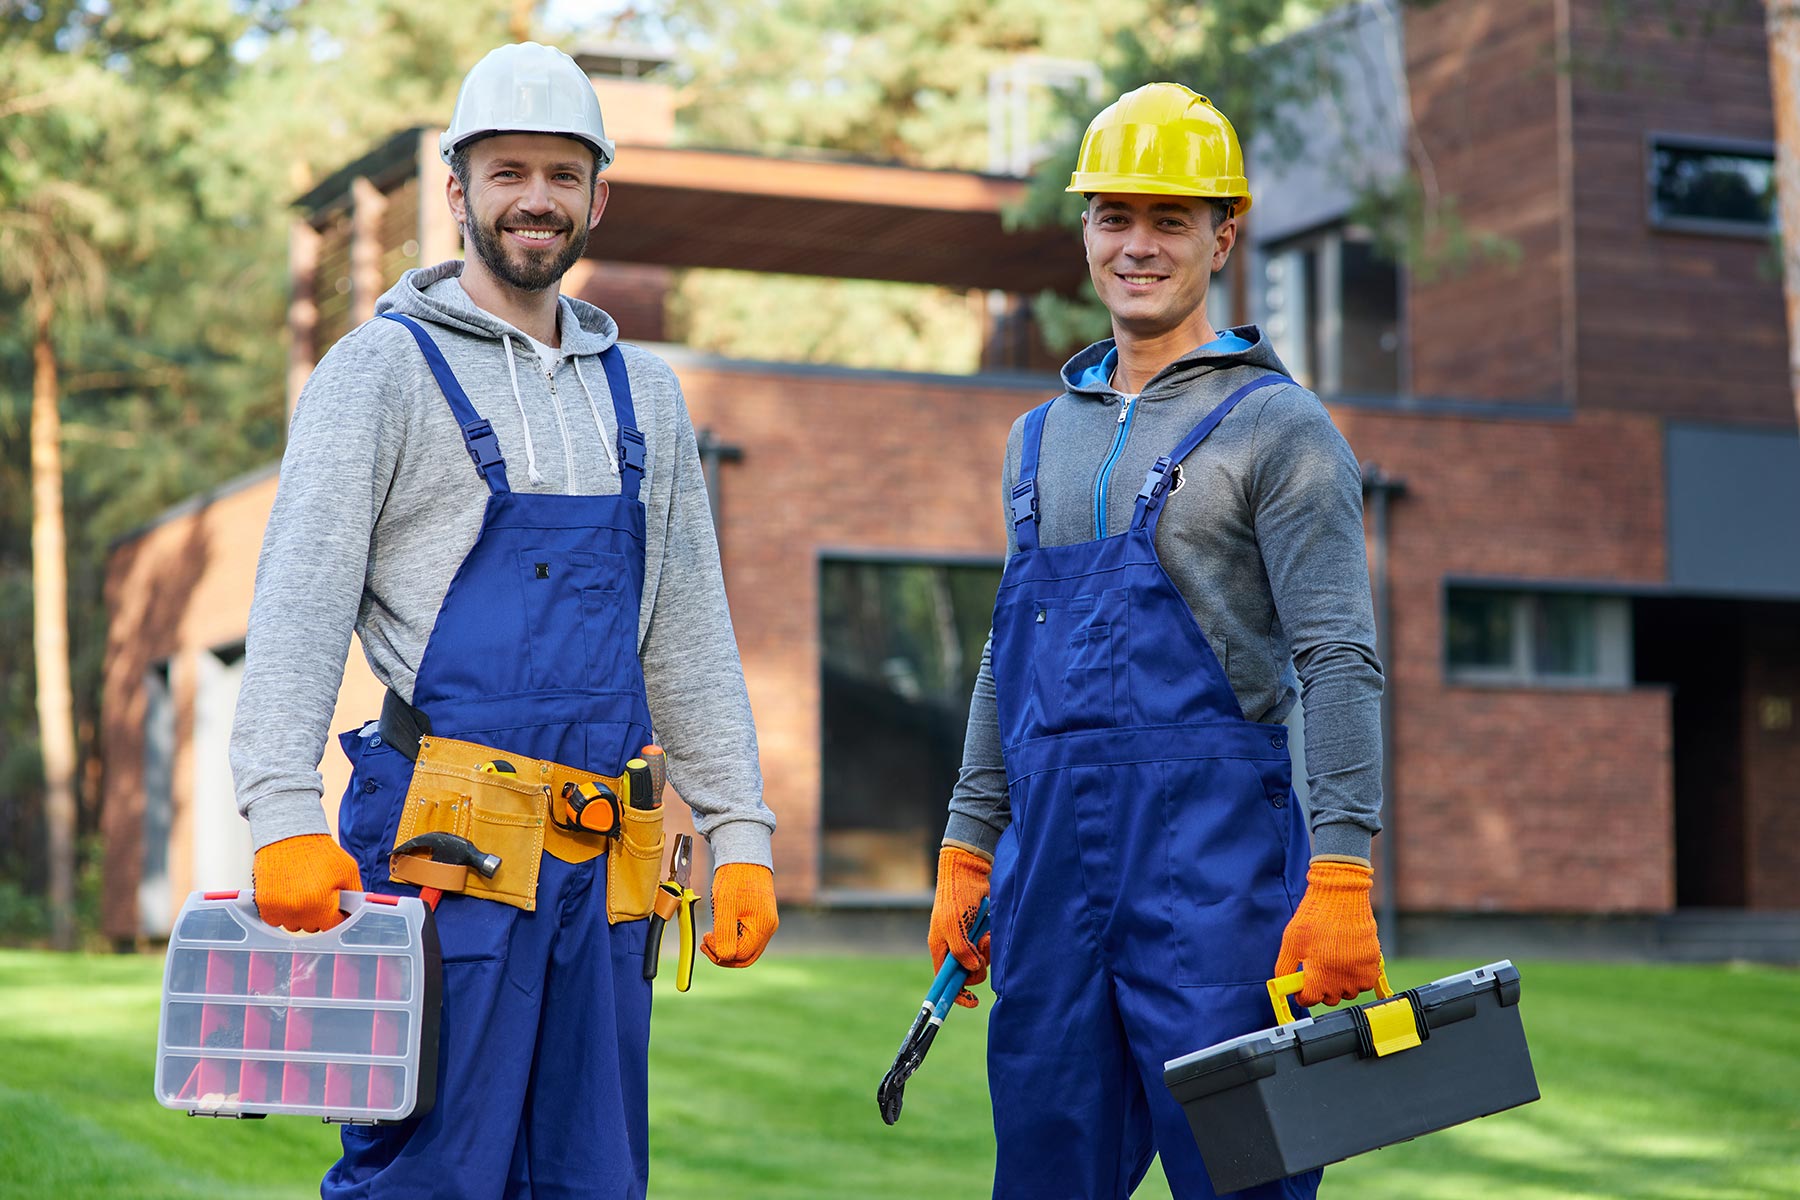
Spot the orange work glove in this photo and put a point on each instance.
(744, 918)
(962, 883)
(296, 882)
(1333, 933)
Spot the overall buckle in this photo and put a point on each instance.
(1024, 502)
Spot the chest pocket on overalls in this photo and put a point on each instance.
(1079, 659)
(571, 602)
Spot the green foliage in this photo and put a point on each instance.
(1429, 236)
(1220, 49)
(148, 155)
(899, 80)
(851, 322)
(1070, 321)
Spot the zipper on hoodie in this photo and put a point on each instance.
(1127, 411)
(562, 426)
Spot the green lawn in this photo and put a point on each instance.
(1669, 1082)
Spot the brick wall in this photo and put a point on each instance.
(1521, 799)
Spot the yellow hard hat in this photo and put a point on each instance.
(1162, 140)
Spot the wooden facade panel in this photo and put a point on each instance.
(332, 287)
(1485, 101)
(400, 232)
(1679, 324)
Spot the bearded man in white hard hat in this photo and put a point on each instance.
(506, 505)
(1185, 556)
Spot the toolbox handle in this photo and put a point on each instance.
(349, 903)
(1283, 986)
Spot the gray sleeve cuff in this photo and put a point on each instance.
(1342, 838)
(741, 842)
(282, 815)
(971, 834)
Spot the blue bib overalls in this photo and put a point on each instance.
(1154, 856)
(545, 1033)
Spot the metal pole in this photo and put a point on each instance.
(712, 453)
(1379, 487)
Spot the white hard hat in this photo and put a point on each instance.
(527, 88)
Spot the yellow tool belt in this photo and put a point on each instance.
(520, 815)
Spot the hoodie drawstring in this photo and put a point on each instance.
(605, 441)
(531, 469)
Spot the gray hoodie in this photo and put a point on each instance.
(379, 503)
(1264, 540)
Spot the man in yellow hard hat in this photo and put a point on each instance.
(1185, 558)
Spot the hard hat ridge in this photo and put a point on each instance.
(1162, 139)
(527, 88)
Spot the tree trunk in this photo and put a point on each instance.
(1784, 84)
(50, 624)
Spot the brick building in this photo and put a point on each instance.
(1581, 455)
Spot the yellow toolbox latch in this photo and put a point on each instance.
(1392, 1026)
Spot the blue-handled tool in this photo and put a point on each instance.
(918, 1039)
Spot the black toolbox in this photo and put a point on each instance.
(1316, 1091)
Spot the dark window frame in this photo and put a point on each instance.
(1321, 363)
(1718, 227)
(838, 895)
(1614, 668)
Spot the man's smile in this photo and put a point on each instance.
(535, 238)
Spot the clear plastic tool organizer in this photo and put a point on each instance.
(257, 1020)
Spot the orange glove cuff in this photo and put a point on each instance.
(296, 882)
(744, 916)
(1333, 934)
(962, 883)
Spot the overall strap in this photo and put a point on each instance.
(478, 435)
(1156, 479)
(631, 442)
(1025, 494)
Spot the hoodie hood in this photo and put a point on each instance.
(1175, 376)
(433, 294)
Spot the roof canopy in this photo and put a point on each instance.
(796, 216)
(747, 212)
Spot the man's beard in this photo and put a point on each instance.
(537, 272)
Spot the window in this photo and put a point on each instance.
(1712, 186)
(901, 648)
(156, 916)
(1544, 638)
(1333, 312)
(221, 838)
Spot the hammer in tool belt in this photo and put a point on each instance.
(440, 862)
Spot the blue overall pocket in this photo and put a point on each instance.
(1227, 844)
(1081, 660)
(558, 586)
(369, 813)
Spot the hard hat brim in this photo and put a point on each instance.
(1234, 187)
(603, 151)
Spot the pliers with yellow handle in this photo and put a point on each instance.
(674, 898)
